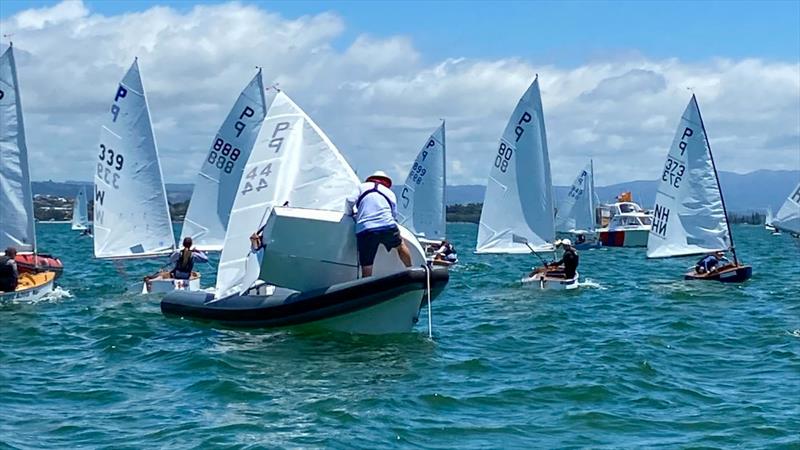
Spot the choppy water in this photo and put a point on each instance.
(643, 359)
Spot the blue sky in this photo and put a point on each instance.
(564, 33)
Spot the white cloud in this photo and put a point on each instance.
(378, 98)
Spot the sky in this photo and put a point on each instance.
(378, 77)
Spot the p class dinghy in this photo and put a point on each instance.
(309, 276)
(421, 200)
(31, 287)
(576, 215)
(518, 214)
(17, 224)
(689, 217)
(131, 213)
(788, 217)
(80, 211)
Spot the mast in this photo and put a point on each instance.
(592, 206)
(444, 180)
(716, 176)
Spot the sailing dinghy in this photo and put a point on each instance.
(80, 211)
(788, 217)
(421, 203)
(518, 214)
(131, 213)
(17, 224)
(305, 271)
(576, 213)
(689, 217)
(215, 186)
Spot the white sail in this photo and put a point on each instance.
(689, 217)
(80, 211)
(131, 214)
(576, 211)
(292, 161)
(788, 217)
(768, 220)
(215, 186)
(421, 203)
(16, 199)
(519, 200)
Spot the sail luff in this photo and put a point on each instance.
(716, 177)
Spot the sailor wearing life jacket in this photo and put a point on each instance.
(184, 260)
(376, 221)
(9, 274)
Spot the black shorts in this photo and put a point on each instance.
(368, 242)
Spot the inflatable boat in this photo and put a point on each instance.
(387, 304)
(37, 263)
(308, 275)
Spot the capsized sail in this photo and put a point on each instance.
(421, 200)
(292, 161)
(131, 214)
(519, 199)
(16, 198)
(215, 185)
(576, 211)
(689, 215)
(80, 211)
(788, 217)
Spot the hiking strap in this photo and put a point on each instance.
(370, 191)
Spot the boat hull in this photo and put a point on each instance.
(163, 285)
(32, 287)
(38, 263)
(735, 274)
(624, 238)
(544, 281)
(374, 305)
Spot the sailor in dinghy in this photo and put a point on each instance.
(556, 275)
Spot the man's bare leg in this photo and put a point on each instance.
(366, 271)
(405, 255)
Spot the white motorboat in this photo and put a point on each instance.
(628, 226)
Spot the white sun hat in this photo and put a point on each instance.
(380, 175)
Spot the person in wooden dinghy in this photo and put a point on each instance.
(567, 266)
(712, 263)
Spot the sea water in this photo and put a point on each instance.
(635, 358)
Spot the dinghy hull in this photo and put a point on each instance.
(552, 283)
(374, 305)
(162, 285)
(735, 274)
(32, 287)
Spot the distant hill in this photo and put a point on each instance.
(176, 192)
(753, 191)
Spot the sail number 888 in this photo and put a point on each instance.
(503, 156)
(223, 155)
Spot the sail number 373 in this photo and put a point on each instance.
(673, 173)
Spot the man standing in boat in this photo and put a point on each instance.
(375, 211)
(9, 274)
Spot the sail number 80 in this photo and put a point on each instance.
(503, 156)
(223, 155)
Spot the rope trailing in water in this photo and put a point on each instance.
(428, 289)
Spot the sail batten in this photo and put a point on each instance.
(131, 212)
(223, 164)
(292, 161)
(17, 225)
(518, 204)
(689, 214)
(421, 200)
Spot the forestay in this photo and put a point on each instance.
(292, 161)
(519, 199)
(689, 216)
(788, 217)
(215, 185)
(576, 212)
(131, 214)
(16, 199)
(421, 203)
(80, 211)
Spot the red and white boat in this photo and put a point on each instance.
(628, 226)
